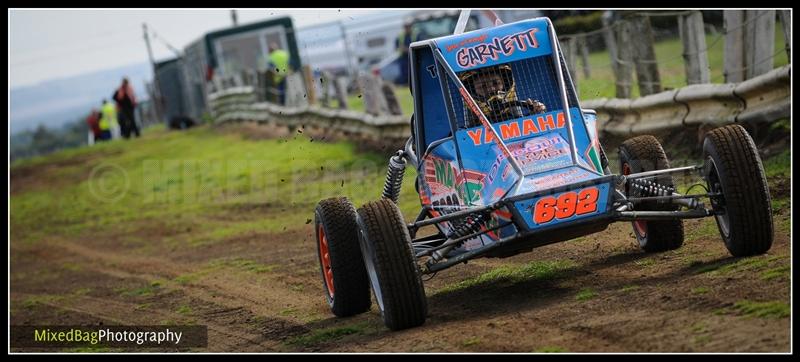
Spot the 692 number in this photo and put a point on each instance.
(566, 205)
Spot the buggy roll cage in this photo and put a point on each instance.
(442, 66)
(622, 206)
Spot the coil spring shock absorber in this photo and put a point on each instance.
(647, 188)
(472, 224)
(394, 176)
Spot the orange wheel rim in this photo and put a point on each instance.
(325, 260)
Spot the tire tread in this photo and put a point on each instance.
(350, 279)
(644, 153)
(746, 189)
(404, 300)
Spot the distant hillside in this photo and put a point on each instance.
(58, 101)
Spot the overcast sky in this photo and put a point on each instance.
(48, 44)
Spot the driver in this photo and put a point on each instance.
(494, 90)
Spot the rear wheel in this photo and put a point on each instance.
(640, 154)
(391, 265)
(344, 277)
(734, 169)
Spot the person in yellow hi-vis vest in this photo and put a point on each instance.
(403, 42)
(108, 120)
(279, 62)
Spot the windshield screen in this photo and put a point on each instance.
(522, 99)
(507, 91)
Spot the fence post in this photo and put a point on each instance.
(259, 86)
(325, 84)
(295, 89)
(644, 56)
(749, 43)
(734, 59)
(623, 62)
(571, 55)
(610, 39)
(695, 56)
(311, 90)
(268, 92)
(341, 92)
(218, 84)
(391, 98)
(759, 42)
(374, 102)
(248, 77)
(582, 44)
(786, 21)
(380, 91)
(243, 77)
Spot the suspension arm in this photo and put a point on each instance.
(662, 215)
(662, 172)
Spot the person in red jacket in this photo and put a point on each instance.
(126, 103)
(93, 120)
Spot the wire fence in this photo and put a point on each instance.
(637, 53)
(609, 59)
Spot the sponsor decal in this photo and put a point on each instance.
(532, 153)
(518, 128)
(506, 172)
(477, 39)
(471, 56)
(495, 168)
(556, 179)
(444, 178)
(566, 205)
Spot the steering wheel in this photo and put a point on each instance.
(529, 107)
(517, 103)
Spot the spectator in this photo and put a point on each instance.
(126, 103)
(108, 120)
(93, 120)
(404, 40)
(279, 63)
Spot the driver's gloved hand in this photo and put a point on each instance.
(496, 105)
(497, 108)
(535, 106)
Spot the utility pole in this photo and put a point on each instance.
(347, 52)
(156, 89)
(233, 17)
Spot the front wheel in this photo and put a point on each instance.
(391, 265)
(640, 154)
(744, 209)
(344, 277)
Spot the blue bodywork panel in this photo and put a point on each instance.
(539, 143)
(498, 45)
(470, 169)
(597, 196)
(430, 108)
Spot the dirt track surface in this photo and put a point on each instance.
(262, 292)
(642, 302)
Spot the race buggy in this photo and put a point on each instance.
(509, 161)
